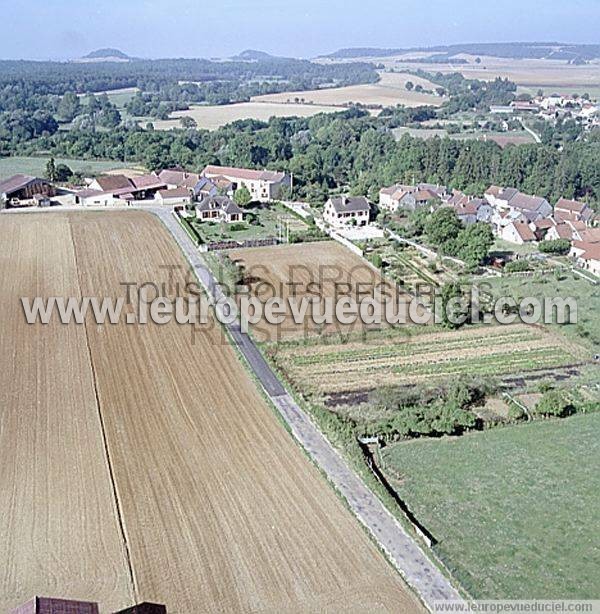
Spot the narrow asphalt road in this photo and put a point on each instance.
(407, 556)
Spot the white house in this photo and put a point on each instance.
(262, 185)
(587, 256)
(344, 210)
(517, 232)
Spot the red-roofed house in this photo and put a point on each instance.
(573, 210)
(587, 256)
(518, 232)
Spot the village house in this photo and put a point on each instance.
(218, 209)
(409, 197)
(21, 190)
(573, 210)
(587, 255)
(347, 210)
(518, 232)
(472, 210)
(532, 208)
(263, 185)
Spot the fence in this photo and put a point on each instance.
(225, 245)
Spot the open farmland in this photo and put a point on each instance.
(515, 509)
(213, 117)
(320, 271)
(220, 510)
(399, 358)
(60, 534)
(33, 165)
(389, 91)
(529, 74)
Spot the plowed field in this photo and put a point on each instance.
(139, 463)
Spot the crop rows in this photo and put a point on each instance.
(494, 352)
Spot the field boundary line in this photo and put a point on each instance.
(113, 483)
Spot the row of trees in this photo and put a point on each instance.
(348, 151)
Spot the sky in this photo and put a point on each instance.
(67, 29)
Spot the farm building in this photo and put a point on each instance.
(119, 190)
(173, 196)
(178, 178)
(46, 605)
(20, 190)
(262, 185)
(344, 210)
(218, 209)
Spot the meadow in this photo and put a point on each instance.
(514, 510)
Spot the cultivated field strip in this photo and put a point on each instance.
(400, 359)
(318, 270)
(222, 511)
(58, 529)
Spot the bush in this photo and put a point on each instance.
(237, 226)
(554, 403)
(558, 246)
(517, 266)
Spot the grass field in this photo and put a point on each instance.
(586, 330)
(221, 511)
(213, 117)
(389, 91)
(515, 509)
(37, 165)
(398, 358)
(118, 97)
(502, 138)
(319, 270)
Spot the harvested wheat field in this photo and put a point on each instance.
(221, 511)
(390, 90)
(213, 117)
(405, 357)
(321, 270)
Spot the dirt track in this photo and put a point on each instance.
(221, 509)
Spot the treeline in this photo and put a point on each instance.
(468, 94)
(87, 113)
(347, 151)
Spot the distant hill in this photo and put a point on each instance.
(252, 54)
(554, 51)
(106, 55)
